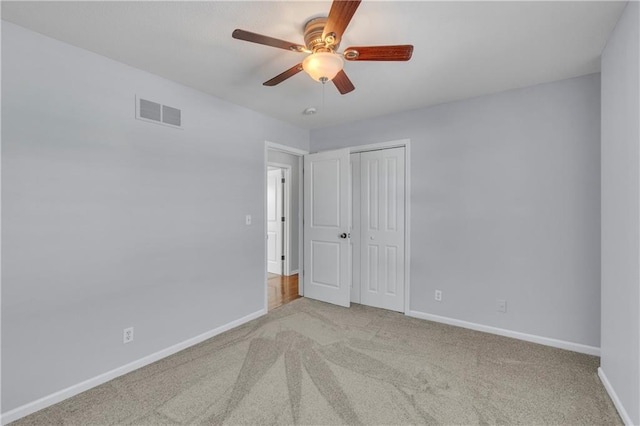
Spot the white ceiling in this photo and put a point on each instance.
(462, 49)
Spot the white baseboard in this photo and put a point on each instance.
(614, 397)
(295, 271)
(547, 341)
(63, 394)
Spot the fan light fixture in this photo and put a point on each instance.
(323, 66)
(322, 37)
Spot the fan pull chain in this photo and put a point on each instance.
(323, 80)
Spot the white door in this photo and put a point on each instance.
(274, 221)
(326, 211)
(354, 227)
(382, 183)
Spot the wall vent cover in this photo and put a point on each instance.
(170, 115)
(150, 110)
(155, 112)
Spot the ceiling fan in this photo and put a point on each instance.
(322, 38)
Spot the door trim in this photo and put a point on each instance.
(406, 143)
(284, 148)
(268, 145)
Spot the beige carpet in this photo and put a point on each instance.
(313, 363)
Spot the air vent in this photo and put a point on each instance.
(150, 110)
(171, 115)
(155, 112)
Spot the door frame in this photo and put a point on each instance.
(286, 197)
(406, 143)
(273, 146)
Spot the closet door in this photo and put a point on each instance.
(354, 228)
(326, 227)
(382, 197)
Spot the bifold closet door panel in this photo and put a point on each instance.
(382, 228)
(354, 226)
(326, 227)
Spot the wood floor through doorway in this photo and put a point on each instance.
(282, 289)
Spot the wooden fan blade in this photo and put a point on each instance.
(267, 41)
(342, 82)
(283, 76)
(339, 17)
(379, 53)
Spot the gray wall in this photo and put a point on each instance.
(505, 203)
(620, 360)
(110, 222)
(294, 206)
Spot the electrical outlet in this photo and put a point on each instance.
(128, 335)
(247, 219)
(438, 295)
(501, 306)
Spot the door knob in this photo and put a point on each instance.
(343, 235)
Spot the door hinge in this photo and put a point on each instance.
(282, 180)
(283, 257)
(283, 218)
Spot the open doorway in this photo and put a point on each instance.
(283, 196)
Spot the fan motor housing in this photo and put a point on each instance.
(313, 30)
